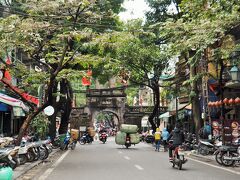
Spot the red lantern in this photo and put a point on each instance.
(231, 101)
(226, 101)
(219, 103)
(209, 103)
(237, 100)
(215, 104)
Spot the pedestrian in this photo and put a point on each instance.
(157, 137)
(165, 135)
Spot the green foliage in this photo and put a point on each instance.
(40, 125)
(131, 93)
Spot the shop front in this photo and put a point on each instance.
(12, 114)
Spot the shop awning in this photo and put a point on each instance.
(165, 115)
(13, 102)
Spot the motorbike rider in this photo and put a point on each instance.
(177, 137)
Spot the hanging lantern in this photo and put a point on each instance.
(231, 101)
(226, 101)
(219, 103)
(210, 104)
(237, 100)
(215, 104)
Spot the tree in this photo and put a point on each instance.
(134, 52)
(160, 10)
(52, 36)
(203, 25)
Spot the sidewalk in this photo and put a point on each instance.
(195, 154)
(22, 169)
(211, 159)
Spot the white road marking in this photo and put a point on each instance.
(120, 152)
(138, 167)
(50, 170)
(127, 158)
(218, 167)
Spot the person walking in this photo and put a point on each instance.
(157, 137)
(165, 135)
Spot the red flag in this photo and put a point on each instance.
(7, 74)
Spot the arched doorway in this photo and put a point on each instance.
(106, 120)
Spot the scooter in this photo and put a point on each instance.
(178, 157)
(230, 155)
(6, 158)
(207, 147)
(103, 137)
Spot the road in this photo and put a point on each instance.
(110, 161)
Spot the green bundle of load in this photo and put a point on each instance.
(120, 138)
(128, 128)
(135, 138)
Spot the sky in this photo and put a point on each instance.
(135, 9)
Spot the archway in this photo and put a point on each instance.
(106, 120)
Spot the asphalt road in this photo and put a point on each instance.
(113, 162)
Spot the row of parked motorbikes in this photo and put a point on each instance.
(31, 149)
(28, 151)
(226, 155)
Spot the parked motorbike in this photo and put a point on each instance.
(190, 142)
(230, 155)
(6, 158)
(128, 141)
(64, 144)
(178, 157)
(206, 147)
(103, 137)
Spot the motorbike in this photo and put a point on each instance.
(103, 137)
(206, 147)
(230, 155)
(128, 141)
(64, 144)
(6, 158)
(86, 138)
(178, 157)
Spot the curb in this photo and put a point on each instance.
(200, 156)
(31, 166)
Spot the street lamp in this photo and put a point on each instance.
(235, 76)
(235, 73)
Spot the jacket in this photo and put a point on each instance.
(177, 136)
(165, 134)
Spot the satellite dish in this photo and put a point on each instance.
(49, 110)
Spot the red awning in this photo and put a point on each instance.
(13, 102)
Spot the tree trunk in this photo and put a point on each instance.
(27, 122)
(66, 105)
(195, 102)
(52, 119)
(156, 108)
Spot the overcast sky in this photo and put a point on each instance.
(135, 9)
